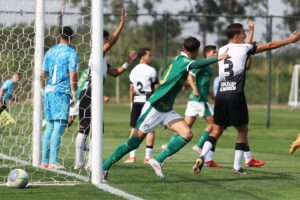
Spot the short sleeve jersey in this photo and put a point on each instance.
(58, 61)
(143, 77)
(8, 88)
(171, 83)
(232, 71)
(203, 77)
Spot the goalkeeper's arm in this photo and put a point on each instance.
(73, 82)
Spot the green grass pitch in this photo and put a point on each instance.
(278, 179)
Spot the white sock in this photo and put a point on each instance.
(206, 148)
(79, 148)
(247, 156)
(148, 153)
(132, 154)
(209, 156)
(237, 159)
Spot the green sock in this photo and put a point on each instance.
(174, 145)
(131, 144)
(202, 139)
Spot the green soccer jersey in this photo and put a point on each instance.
(202, 77)
(173, 80)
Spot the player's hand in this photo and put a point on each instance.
(250, 23)
(223, 56)
(294, 37)
(106, 99)
(196, 93)
(131, 57)
(123, 16)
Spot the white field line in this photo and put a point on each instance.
(103, 187)
(117, 192)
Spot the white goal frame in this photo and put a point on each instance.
(294, 90)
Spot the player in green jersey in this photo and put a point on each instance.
(159, 108)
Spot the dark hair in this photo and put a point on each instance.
(142, 51)
(208, 48)
(105, 34)
(191, 44)
(233, 30)
(66, 33)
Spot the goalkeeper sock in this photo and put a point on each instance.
(131, 144)
(59, 127)
(202, 139)
(174, 145)
(80, 143)
(46, 141)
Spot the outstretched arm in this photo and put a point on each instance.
(293, 38)
(251, 31)
(205, 62)
(114, 72)
(116, 33)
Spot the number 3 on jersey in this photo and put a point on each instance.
(228, 69)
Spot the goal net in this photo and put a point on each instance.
(17, 54)
(294, 90)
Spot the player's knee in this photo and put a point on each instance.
(84, 130)
(187, 134)
(134, 142)
(210, 127)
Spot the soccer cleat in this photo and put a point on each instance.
(211, 163)
(197, 149)
(156, 167)
(146, 160)
(198, 166)
(130, 160)
(295, 145)
(255, 163)
(88, 168)
(240, 171)
(56, 166)
(43, 165)
(105, 176)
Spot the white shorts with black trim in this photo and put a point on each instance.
(202, 109)
(150, 118)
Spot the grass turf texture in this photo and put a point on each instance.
(279, 179)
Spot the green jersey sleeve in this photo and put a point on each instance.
(202, 63)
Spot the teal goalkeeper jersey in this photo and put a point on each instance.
(202, 79)
(173, 80)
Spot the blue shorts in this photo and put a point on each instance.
(56, 106)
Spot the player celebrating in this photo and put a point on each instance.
(85, 95)
(7, 89)
(143, 81)
(159, 109)
(230, 105)
(60, 63)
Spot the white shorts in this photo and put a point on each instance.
(202, 109)
(150, 118)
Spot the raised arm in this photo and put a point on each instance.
(205, 62)
(251, 31)
(113, 39)
(293, 38)
(114, 72)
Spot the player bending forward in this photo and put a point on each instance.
(159, 109)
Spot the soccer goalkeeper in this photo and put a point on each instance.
(60, 64)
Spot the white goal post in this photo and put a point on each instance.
(294, 90)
